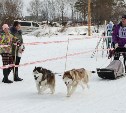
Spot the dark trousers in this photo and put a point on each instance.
(17, 62)
(117, 56)
(109, 39)
(108, 42)
(7, 59)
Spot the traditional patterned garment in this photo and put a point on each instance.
(6, 41)
(7, 58)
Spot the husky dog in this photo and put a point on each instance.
(44, 79)
(74, 77)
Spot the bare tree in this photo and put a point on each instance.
(34, 8)
(11, 10)
(61, 7)
(44, 10)
(52, 9)
(72, 4)
(121, 6)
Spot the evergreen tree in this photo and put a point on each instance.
(101, 10)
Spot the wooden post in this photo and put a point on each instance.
(105, 27)
(89, 17)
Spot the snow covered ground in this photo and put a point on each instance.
(103, 96)
(52, 31)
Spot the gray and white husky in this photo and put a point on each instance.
(44, 79)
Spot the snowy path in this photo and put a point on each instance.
(103, 96)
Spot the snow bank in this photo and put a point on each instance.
(50, 31)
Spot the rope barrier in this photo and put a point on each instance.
(52, 59)
(58, 41)
(47, 60)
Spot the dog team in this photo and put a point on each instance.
(46, 79)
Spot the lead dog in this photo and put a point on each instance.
(74, 77)
(44, 79)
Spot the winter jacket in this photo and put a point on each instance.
(6, 43)
(17, 34)
(114, 26)
(109, 26)
(119, 35)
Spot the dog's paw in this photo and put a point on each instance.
(88, 86)
(52, 93)
(68, 95)
(39, 92)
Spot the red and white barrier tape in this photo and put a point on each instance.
(63, 41)
(51, 59)
(46, 60)
(50, 42)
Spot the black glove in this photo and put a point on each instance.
(18, 43)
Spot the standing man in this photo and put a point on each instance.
(17, 50)
(119, 38)
(109, 28)
(109, 34)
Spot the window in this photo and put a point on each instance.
(25, 23)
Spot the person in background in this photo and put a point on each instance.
(17, 50)
(109, 28)
(114, 26)
(6, 42)
(119, 38)
(111, 51)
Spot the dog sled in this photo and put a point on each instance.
(114, 70)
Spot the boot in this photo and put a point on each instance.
(6, 80)
(15, 69)
(16, 78)
(6, 73)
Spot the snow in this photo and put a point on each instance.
(103, 96)
(52, 31)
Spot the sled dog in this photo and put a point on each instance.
(74, 77)
(44, 79)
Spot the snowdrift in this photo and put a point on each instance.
(50, 31)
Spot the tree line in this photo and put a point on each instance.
(10, 10)
(102, 10)
(63, 10)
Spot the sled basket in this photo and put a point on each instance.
(114, 70)
(106, 73)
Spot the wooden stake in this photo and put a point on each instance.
(89, 17)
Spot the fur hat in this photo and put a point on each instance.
(5, 26)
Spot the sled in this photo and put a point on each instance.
(114, 70)
(108, 74)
